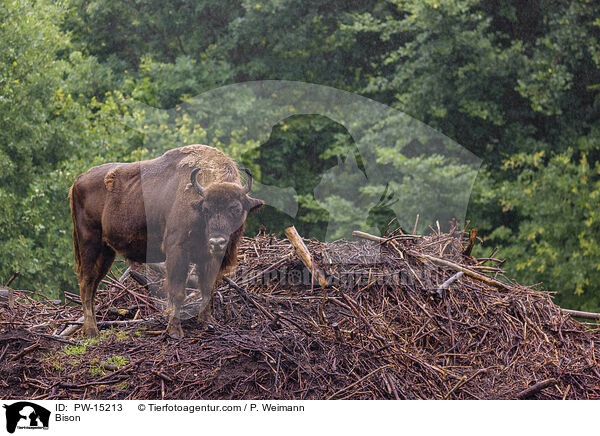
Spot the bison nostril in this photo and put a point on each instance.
(217, 243)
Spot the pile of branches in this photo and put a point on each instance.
(405, 317)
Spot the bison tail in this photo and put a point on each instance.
(75, 235)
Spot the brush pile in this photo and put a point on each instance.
(395, 321)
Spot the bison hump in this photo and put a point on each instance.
(215, 165)
(122, 178)
(110, 179)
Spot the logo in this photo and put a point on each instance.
(26, 415)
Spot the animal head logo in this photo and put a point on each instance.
(25, 414)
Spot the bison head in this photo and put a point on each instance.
(223, 209)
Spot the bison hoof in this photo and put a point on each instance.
(91, 332)
(207, 326)
(206, 318)
(175, 332)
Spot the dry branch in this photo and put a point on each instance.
(304, 255)
(25, 351)
(580, 314)
(374, 333)
(444, 286)
(536, 388)
(441, 261)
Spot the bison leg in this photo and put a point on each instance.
(207, 277)
(95, 263)
(177, 269)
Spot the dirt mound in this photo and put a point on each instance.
(390, 324)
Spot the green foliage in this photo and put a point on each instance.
(558, 235)
(117, 360)
(510, 81)
(292, 157)
(39, 126)
(168, 84)
(516, 83)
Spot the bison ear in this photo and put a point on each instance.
(253, 204)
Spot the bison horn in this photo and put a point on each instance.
(194, 181)
(248, 185)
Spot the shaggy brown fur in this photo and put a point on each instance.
(149, 211)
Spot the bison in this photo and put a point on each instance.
(186, 206)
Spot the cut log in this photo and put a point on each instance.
(72, 328)
(305, 256)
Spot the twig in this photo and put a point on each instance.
(564, 397)
(119, 322)
(93, 383)
(4, 352)
(25, 351)
(471, 244)
(444, 286)
(52, 337)
(72, 328)
(375, 371)
(456, 386)
(14, 276)
(536, 388)
(162, 375)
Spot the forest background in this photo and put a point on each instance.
(517, 83)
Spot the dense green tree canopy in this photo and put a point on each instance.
(515, 83)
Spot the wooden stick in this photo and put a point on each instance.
(369, 236)
(9, 292)
(536, 388)
(416, 224)
(304, 255)
(4, 352)
(263, 272)
(143, 281)
(247, 297)
(11, 299)
(52, 337)
(251, 300)
(471, 244)
(162, 376)
(456, 386)
(580, 314)
(375, 371)
(444, 286)
(25, 351)
(72, 328)
(122, 322)
(14, 276)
